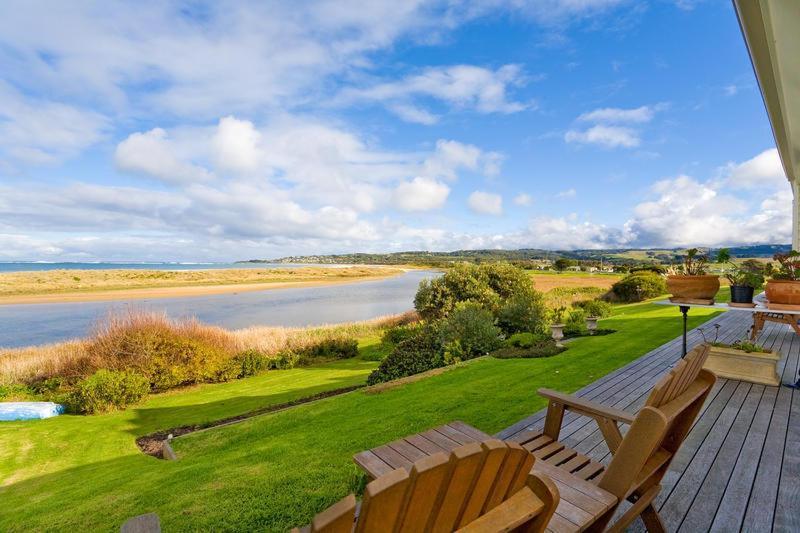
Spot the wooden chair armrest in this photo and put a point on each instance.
(587, 407)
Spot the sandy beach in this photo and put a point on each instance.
(91, 286)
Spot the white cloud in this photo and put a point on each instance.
(236, 144)
(461, 86)
(485, 203)
(421, 194)
(523, 199)
(606, 136)
(615, 115)
(451, 156)
(567, 193)
(762, 171)
(40, 131)
(153, 153)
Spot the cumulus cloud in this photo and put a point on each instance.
(606, 136)
(762, 171)
(485, 203)
(236, 145)
(421, 194)
(460, 86)
(153, 153)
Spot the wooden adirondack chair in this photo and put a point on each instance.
(640, 458)
(479, 487)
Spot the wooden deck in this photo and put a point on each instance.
(739, 468)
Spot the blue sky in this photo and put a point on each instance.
(230, 130)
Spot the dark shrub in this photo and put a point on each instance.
(487, 285)
(639, 286)
(539, 348)
(526, 339)
(523, 312)
(333, 349)
(284, 361)
(412, 356)
(106, 390)
(473, 328)
(597, 308)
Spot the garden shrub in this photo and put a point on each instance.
(411, 356)
(540, 347)
(639, 286)
(473, 327)
(487, 285)
(526, 339)
(335, 348)
(284, 360)
(251, 362)
(523, 312)
(596, 308)
(106, 390)
(575, 323)
(400, 333)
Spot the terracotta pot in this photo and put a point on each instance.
(783, 291)
(693, 287)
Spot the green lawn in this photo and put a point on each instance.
(275, 471)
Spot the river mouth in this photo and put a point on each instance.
(33, 324)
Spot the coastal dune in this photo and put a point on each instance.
(60, 286)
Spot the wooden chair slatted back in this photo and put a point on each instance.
(660, 427)
(445, 493)
(679, 378)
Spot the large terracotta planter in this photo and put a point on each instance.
(783, 291)
(693, 287)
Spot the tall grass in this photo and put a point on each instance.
(114, 340)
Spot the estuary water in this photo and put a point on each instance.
(28, 324)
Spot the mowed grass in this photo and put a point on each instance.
(275, 471)
(547, 280)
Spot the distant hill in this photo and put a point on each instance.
(530, 256)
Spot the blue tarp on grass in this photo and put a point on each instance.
(29, 410)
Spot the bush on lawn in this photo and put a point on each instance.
(487, 285)
(523, 312)
(526, 339)
(398, 334)
(596, 308)
(539, 347)
(411, 356)
(252, 362)
(333, 348)
(473, 328)
(638, 286)
(107, 390)
(575, 323)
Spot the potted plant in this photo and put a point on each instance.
(783, 288)
(689, 283)
(744, 278)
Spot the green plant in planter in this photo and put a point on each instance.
(744, 278)
(693, 264)
(789, 268)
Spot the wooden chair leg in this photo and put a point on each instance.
(639, 507)
(652, 521)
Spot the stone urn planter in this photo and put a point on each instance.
(783, 293)
(557, 332)
(693, 289)
(591, 324)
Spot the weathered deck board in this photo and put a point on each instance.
(739, 468)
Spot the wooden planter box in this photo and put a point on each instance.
(737, 364)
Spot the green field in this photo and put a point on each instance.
(275, 471)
